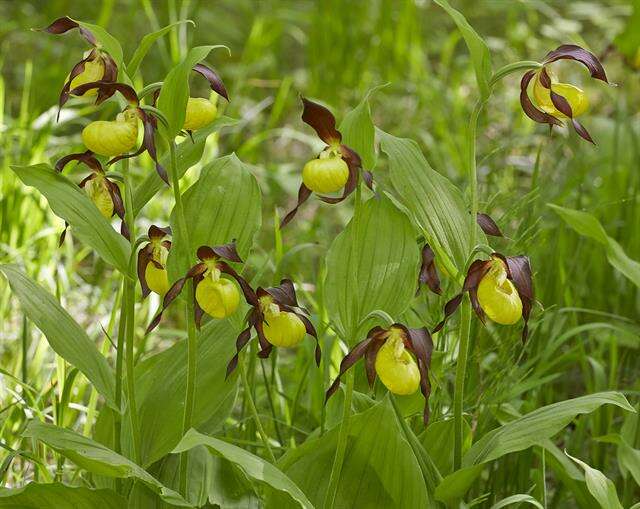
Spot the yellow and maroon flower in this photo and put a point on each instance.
(554, 101)
(213, 293)
(96, 64)
(277, 319)
(100, 187)
(399, 356)
(202, 111)
(152, 262)
(500, 288)
(336, 167)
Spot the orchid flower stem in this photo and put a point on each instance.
(192, 340)
(117, 428)
(254, 411)
(129, 300)
(465, 315)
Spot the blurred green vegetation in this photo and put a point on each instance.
(335, 51)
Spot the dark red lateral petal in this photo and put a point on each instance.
(241, 341)
(144, 258)
(198, 312)
(349, 360)
(582, 131)
(303, 195)
(370, 359)
(75, 71)
(109, 88)
(476, 272)
(321, 120)
(110, 75)
(488, 225)
(349, 186)
(248, 292)
(449, 308)
(118, 207)
(63, 234)
(579, 54)
(214, 79)
(519, 268)
(422, 347)
(87, 158)
(561, 104)
(527, 106)
(265, 346)
(311, 330)
(428, 273)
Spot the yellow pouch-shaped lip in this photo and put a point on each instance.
(396, 368)
(283, 329)
(218, 299)
(112, 137)
(325, 175)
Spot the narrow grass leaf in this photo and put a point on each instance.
(517, 499)
(59, 496)
(73, 205)
(253, 466)
(97, 458)
(63, 333)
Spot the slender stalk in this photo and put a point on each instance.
(465, 320)
(192, 340)
(254, 411)
(117, 439)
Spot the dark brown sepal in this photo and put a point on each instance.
(428, 273)
(519, 272)
(421, 345)
(109, 88)
(158, 232)
(87, 158)
(356, 353)
(579, 54)
(64, 24)
(241, 341)
(214, 79)
(527, 106)
(110, 75)
(488, 225)
(311, 330)
(63, 234)
(303, 195)
(248, 292)
(321, 120)
(118, 206)
(144, 258)
(284, 293)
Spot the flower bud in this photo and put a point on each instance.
(200, 113)
(281, 328)
(99, 194)
(218, 297)
(157, 278)
(575, 96)
(325, 174)
(497, 295)
(112, 137)
(93, 71)
(395, 366)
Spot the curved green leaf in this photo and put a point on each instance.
(73, 205)
(188, 153)
(175, 90)
(106, 41)
(478, 49)
(59, 496)
(97, 458)
(253, 466)
(161, 384)
(599, 485)
(224, 204)
(63, 333)
(372, 265)
(359, 133)
(434, 202)
(517, 499)
(379, 470)
(145, 45)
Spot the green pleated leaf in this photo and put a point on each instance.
(63, 333)
(434, 202)
(522, 433)
(97, 458)
(73, 205)
(380, 468)
(358, 133)
(161, 386)
(175, 90)
(371, 266)
(588, 226)
(251, 465)
(599, 485)
(188, 153)
(224, 204)
(478, 49)
(146, 43)
(59, 496)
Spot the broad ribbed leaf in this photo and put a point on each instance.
(224, 204)
(145, 45)
(599, 485)
(175, 90)
(251, 465)
(59, 496)
(587, 225)
(372, 265)
(478, 49)
(526, 431)
(188, 153)
(161, 382)
(73, 205)
(358, 133)
(434, 202)
(379, 470)
(63, 333)
(97, 458)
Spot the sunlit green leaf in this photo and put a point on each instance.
(601, 487)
